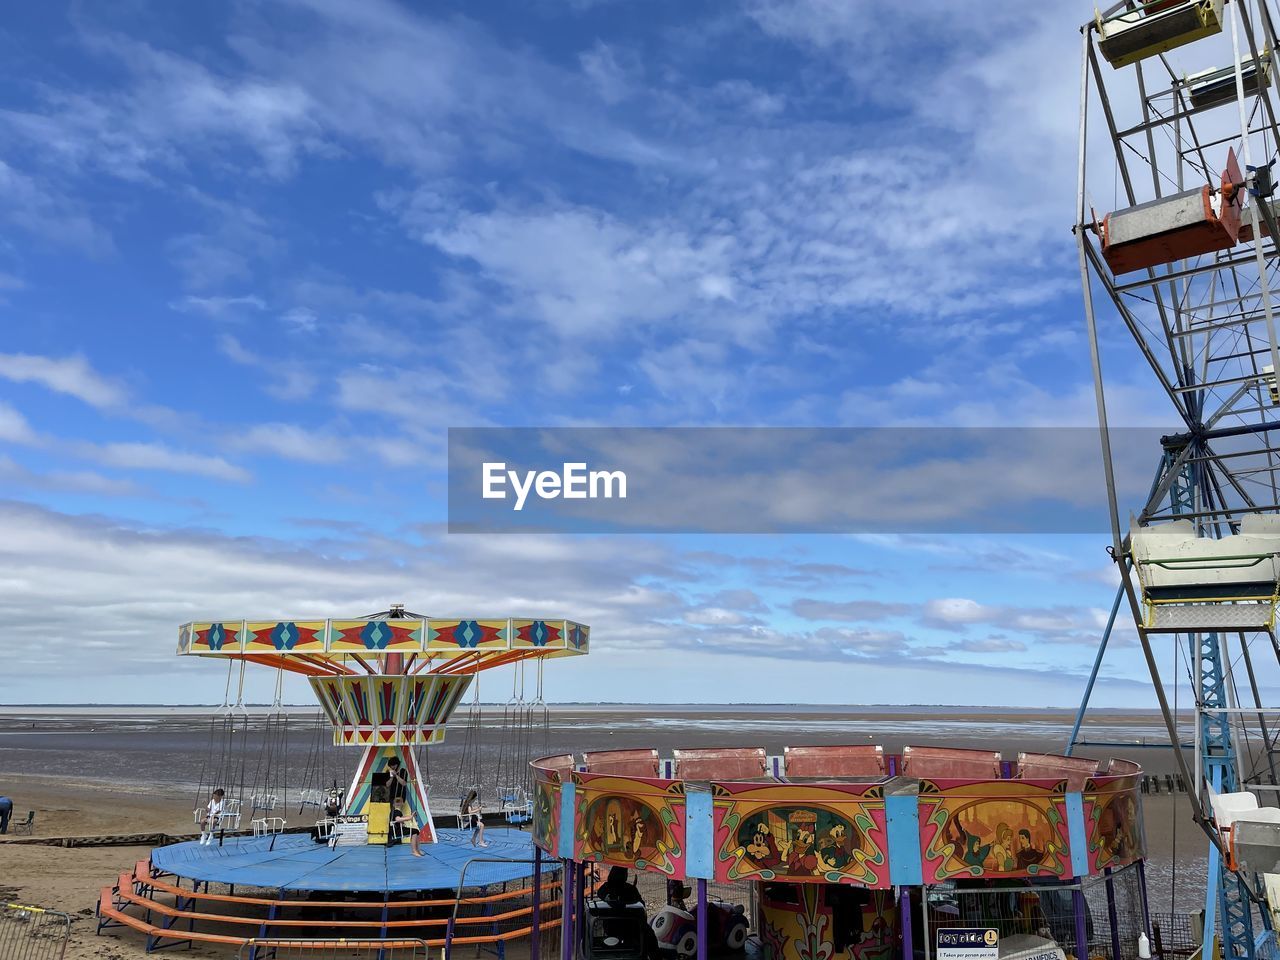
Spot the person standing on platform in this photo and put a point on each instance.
(397, 781)
(472, 819)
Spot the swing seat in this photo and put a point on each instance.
(1155, 27)
(519, 815)
(266, 826)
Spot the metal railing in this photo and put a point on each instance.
(1101, 917)
(33, 933)
(532, 915)
(334, 949)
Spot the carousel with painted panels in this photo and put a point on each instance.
(830, 852)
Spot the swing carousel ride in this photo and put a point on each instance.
(387, 685)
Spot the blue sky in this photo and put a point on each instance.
(255, 259)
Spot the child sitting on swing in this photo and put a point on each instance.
(212, 817)
(404, 816)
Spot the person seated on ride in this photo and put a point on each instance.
(321, 831)
(617, 890)
(418, 835)
(678, 895)
(212, 817)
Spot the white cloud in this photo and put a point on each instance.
(288, 380)
(218, 307)
(71, 375)
(157, 456)
(291, 442)
(39, 209)
(14, 427)
(71, 481)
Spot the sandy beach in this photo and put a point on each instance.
(99, 775)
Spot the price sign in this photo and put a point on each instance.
(968, 944)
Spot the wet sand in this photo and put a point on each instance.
(95, 775)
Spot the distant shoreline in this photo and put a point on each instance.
(833, 708)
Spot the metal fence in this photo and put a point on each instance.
(506, 919)
(1106, 911)
(32, 933)
(395, 949)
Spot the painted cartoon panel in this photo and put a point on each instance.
(546, 812)
(1113, 822)
(631, 821)
(823, 833)
(1011, 828)
(831, 922)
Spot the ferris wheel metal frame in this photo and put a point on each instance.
(1205, 326)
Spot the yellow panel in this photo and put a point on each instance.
(452, 636)
(217, 636)
(538, 634)
(379, 815)
(375, 636)
(282, 636)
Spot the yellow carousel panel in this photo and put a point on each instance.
(538, 634)
(213, 637)
(375, 636)
(462, 635)
(284, 636)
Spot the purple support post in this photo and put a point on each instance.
(1111, 914)
(904, 921)
(568, 870)
(580, 913)
(535, 926)
(1082, 934)
(702, 920)
(1142, 895)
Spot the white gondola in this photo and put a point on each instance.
(266, 826)
(265, 801)
(1250, 833)
(1192, 583)
(1211, 88)
(229, 819)
(1130, 35)
(311, 798)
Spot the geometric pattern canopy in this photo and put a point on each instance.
(389, 710)
(319, 647)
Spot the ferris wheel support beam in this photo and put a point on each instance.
(1091, 326)
(1090, 255)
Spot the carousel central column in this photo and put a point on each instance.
(389, 714)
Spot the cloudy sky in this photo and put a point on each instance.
(256, 258)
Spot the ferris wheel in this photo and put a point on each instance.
(1176, 227)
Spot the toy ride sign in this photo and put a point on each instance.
(349, 831)
(968, 944)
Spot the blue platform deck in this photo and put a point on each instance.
(294, 861)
